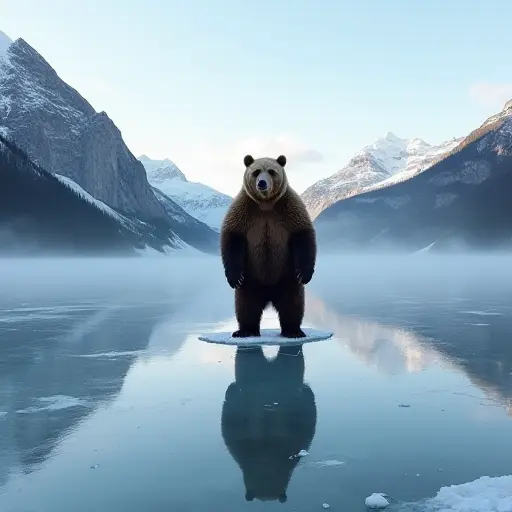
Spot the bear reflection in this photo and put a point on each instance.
(268, 416)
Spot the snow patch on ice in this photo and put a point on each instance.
(482, 313)
(376, 500)
(329, 463)
(486, 494)
(302, 453)
(55, 403)
(113, 354)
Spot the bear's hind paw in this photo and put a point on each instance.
(244, 333)
(293, 334)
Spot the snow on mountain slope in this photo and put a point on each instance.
(388, 160)
(96, 202)
(198, 200)
(460, 203)
(5, 42)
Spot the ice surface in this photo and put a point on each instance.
(268, 337)
(112, 345)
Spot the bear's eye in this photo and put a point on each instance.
(255, 172)
(272, 172)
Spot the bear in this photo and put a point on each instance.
(268, 248)
(268, 416)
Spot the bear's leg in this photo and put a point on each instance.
(249, 306)
(288, 301)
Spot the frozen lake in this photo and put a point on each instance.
(109, 402)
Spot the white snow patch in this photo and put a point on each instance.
(55, 403)
(482, 313)
(486, 494)
(376, 500)
(302, 453)
(425, 249)
(87, 197)
(113, 354)
(167, 250)
(329, 462)
(5, 42)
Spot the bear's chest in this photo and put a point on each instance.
(267, 239)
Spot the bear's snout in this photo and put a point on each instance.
(262, 185)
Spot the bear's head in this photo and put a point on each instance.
(265, 179)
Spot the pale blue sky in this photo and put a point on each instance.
(203, 82)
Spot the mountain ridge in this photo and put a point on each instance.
(387, 158)
(60, 131)
(461, 201)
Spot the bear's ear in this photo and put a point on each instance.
(249, 496)
(248, 160)
(283, 498)
(281, 160)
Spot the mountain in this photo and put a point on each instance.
(388, 159)
(5, 42)
(461, 202)
(201, 201)
(45, 213)
(62, 133)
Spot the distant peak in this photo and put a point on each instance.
(5, 37)
(508, 106)
(168, 172)
(390, 136)
(5, 42)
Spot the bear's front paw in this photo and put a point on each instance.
(304, 276)
(235, 278)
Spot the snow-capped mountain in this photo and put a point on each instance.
(63, 134)
(461, 201)
(5, 42)
(389, 159)
(198, 200)
(42, 212)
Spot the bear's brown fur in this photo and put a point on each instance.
(268, 248)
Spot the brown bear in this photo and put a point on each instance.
(268, 248)
(269, 415)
